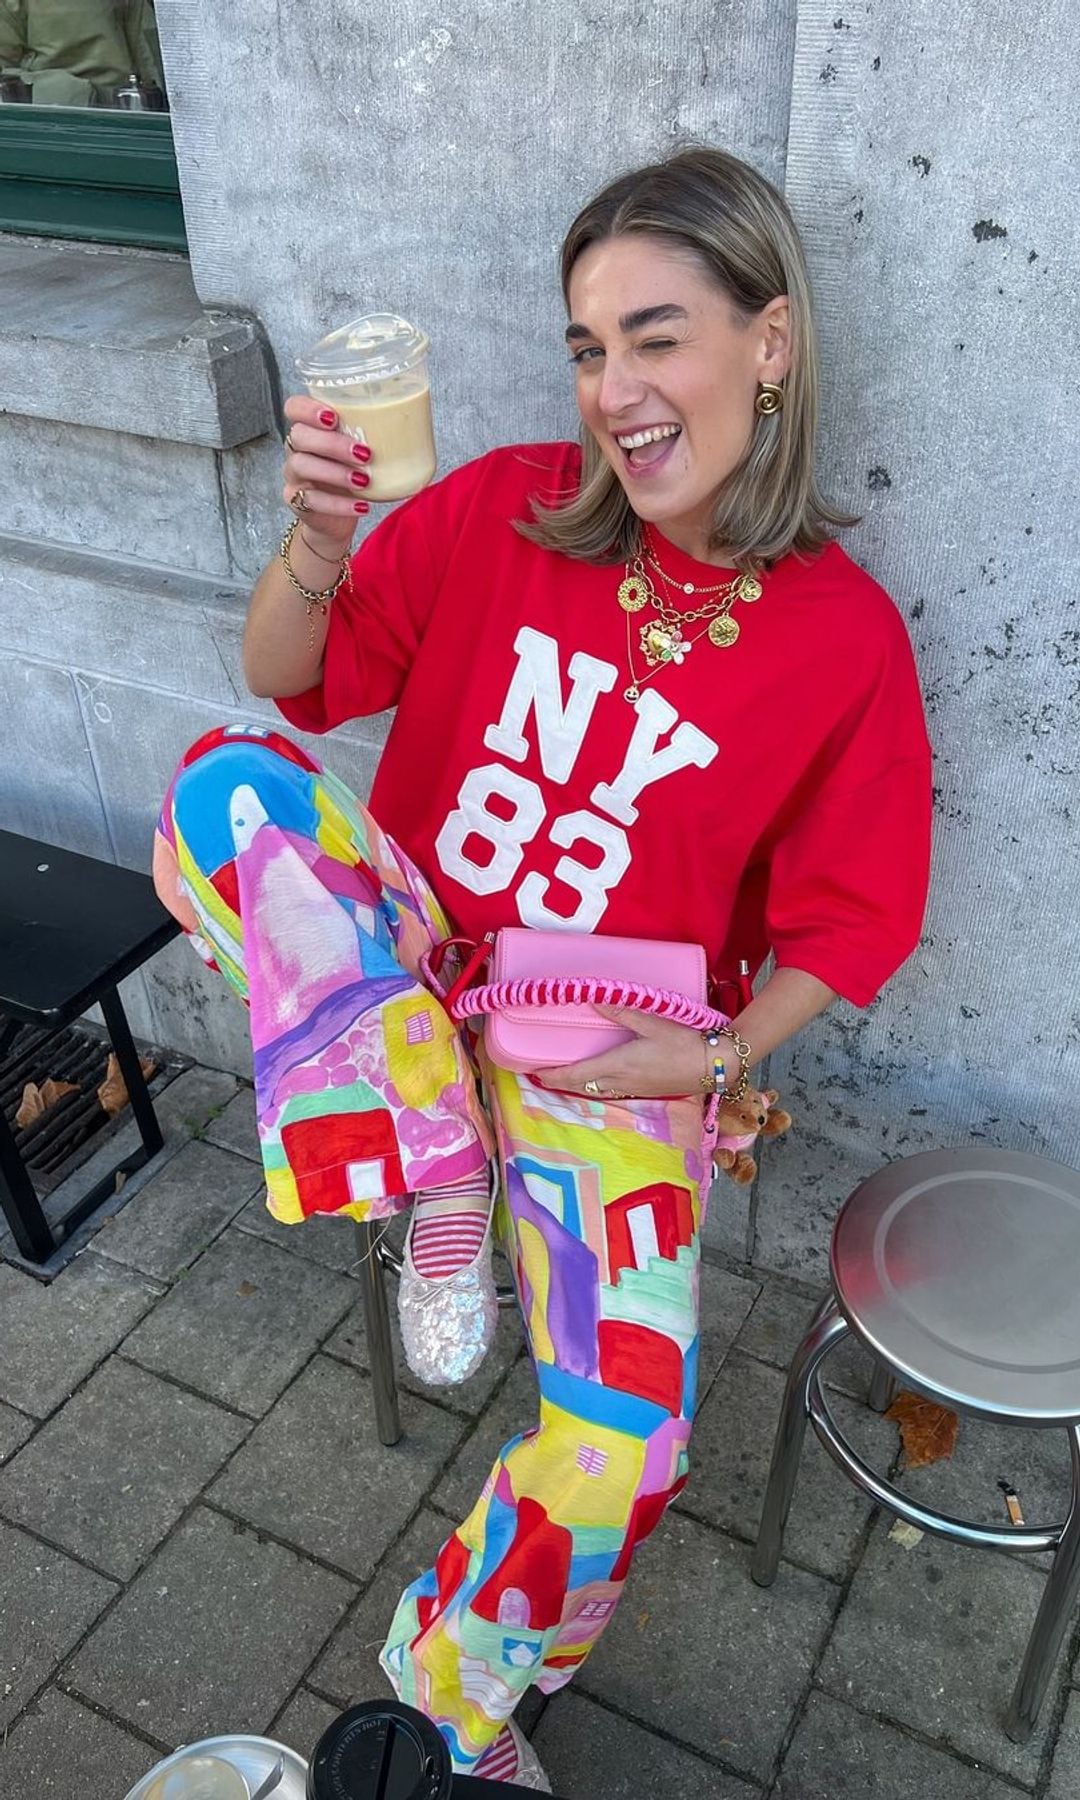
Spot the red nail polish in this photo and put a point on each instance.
(361, 453)
(361, 506)
(327, 417)
(359, 479)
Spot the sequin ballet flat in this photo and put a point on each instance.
(529, 1773)
(447, 1325)
(511, 1761)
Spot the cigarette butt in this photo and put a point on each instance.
(1012, 1504)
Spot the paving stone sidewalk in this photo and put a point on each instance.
(200, 1532)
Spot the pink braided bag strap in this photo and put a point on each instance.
(567, 990)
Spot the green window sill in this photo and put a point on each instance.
(93, 174)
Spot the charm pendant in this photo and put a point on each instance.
(632, 693)
(634, 593)
(723, 632)
(662, 644)
(749, 589)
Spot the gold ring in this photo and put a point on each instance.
(592, 1087)
(299, 502)
(289, 445)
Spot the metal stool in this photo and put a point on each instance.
(375, 1257)
(958, 1270)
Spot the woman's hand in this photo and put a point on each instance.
(330, 470)
(661, 1058)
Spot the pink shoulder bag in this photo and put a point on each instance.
(539, 1007)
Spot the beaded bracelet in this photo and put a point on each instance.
(713, 1081)
(312, 597)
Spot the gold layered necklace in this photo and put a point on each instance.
(662, 638)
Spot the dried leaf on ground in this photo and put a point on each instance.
(927, 1430)
(113, 1093)
(36, 1100)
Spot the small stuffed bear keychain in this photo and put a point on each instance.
(739, 1122)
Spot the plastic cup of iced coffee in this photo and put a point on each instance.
(374, 373)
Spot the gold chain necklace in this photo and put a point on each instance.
(661, 639)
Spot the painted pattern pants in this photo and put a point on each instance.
(364, 1092)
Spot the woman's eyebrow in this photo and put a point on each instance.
(631, 321)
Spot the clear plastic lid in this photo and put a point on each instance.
(369, 349)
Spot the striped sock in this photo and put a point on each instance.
(500, 1760)
(449, 1225)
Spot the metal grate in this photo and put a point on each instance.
(54, 1144)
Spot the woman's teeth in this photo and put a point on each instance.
(638, 439)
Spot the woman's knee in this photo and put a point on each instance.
(246, 746)
(277, 772)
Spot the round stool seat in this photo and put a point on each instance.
(961, 1268)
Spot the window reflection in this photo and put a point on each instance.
(81, 53)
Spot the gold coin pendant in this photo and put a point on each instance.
(633, 594)
(723, 633)
(749, 588)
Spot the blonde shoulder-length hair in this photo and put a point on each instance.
(741, 232)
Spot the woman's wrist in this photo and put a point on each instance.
(329, 556)
(317, 546)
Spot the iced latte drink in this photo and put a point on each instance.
(374, 374)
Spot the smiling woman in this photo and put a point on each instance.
(705, 246)
(640, 689)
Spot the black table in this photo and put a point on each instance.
(71, 928)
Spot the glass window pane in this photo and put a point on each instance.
(81, 53)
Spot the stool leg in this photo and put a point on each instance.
(882, 1390)
(19, 1202)
(142, 1107)
(377, 1322)
(1051, 1620)
(826, 1329)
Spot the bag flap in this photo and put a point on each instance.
(522, 954)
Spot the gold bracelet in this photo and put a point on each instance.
(744, 1053)
(312, 597)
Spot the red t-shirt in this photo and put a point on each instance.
(774, 795)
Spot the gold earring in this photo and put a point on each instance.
(770, 399)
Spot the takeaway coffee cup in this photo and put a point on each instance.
(374, 373)
(385, 1750)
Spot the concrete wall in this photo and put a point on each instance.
(931, 156)
(334, 157)
(339, 158)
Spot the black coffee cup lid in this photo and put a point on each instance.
(382, 1750)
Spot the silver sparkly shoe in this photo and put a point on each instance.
(493, 1766)
(529, 1773)
(447, 1324)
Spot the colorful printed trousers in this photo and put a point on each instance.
(364, 1092)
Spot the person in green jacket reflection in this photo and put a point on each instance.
(79, 52)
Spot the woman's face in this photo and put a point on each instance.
(659, 349)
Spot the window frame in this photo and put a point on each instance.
(98, 174)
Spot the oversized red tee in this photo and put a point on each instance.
(773, 795)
